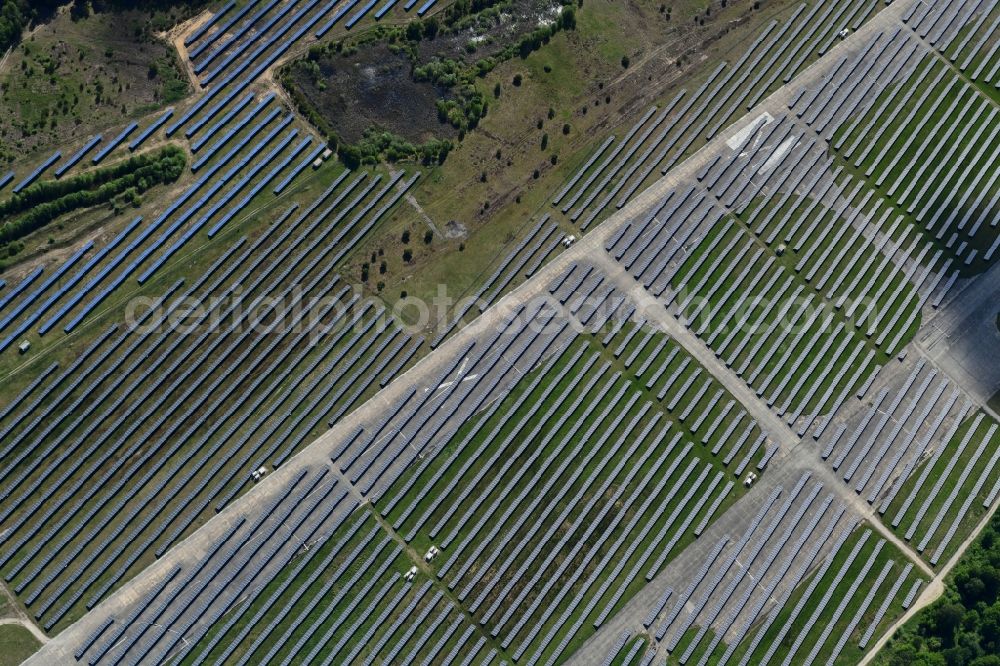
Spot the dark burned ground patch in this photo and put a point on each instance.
(367, 82)
(372, 88)
(487, 33)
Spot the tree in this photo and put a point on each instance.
(971, 588)
(567, 19)
(989, 627)
(431, 27)
(13, 20)
(625, 62)
(948, 618)
(986, 660)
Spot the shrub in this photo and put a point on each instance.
(567, 20)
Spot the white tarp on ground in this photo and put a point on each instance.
(778, 154)
(743, 135)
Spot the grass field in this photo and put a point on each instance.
(71, 79)
(839, 263)
(347, 588)
(441, 261)
(773, 359)
(559, 504)
(841, 595)
(16, 644)
(917, 504)
(556, 409)
(289, 415)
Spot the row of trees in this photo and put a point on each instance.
(378, 145)
(92, 189)
(962, 628)
(49, 190)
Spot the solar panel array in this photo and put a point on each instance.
(373, 609)
(666, 134)
(800, 589)
(468, 501)
(33, 176)
(77, 156)
(169, 450)
(937, 167)
(307, 509)
(559, 473)
(901, 447)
